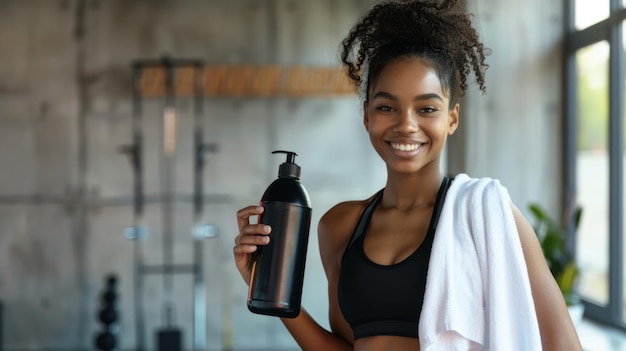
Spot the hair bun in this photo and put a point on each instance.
(440, 26)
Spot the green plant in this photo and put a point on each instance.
(553, 237)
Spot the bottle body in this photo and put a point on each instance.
(278, 268)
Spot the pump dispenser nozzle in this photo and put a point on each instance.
(289, 168)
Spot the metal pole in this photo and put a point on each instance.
(199, 289)
(170, 124)
(136, 157)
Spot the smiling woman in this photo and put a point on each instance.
(429, 261)
(407, 116)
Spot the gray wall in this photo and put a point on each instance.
(65, 108)
(514, 132)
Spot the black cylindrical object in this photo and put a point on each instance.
(278, 268)
(106, 340)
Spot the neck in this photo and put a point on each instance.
(408, 191)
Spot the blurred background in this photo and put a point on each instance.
(98, 194)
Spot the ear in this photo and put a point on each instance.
(453, 119)
(366, 117)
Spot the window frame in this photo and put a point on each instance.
(610, 30)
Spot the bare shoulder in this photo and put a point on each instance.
(337, 223)
(339, 215)
(335, 229)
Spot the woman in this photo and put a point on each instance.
(428, 262)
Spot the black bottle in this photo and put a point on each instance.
(278, 268)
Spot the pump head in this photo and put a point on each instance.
(289, 168)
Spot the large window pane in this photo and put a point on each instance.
(589, 12)
(592, 171)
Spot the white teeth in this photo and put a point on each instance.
(405, 147)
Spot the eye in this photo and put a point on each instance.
(385, 108)
(428, 109)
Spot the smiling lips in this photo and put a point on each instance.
(405, 147)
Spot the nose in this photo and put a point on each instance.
(407, 122)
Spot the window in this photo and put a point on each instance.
(594, 151)
(589, 12)
(592, 170)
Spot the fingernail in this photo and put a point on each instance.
(267, 228)
(266, 239)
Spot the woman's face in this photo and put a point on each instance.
(407, 116)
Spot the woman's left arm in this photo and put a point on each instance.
(555, 325)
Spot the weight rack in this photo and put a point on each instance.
(167, 74)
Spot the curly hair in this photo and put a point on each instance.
(439, 32)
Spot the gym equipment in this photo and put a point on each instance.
(107, 340)
(169, 337)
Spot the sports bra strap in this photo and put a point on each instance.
(367, 212)
(365, 216)
(447, 181)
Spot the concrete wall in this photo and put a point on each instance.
(513, 133)
(65, 109)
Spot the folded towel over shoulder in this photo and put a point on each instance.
(478, 293)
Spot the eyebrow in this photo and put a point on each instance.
(428, 96)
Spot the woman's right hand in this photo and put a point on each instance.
(249, 238)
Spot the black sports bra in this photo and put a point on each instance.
(385, 299)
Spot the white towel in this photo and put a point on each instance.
(478, 293)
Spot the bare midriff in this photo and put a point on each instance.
(386, 342)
